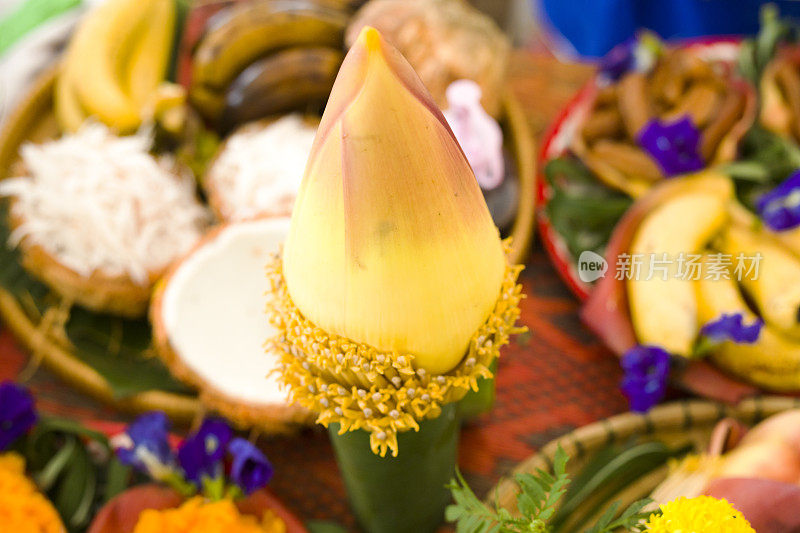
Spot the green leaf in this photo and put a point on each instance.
(605, 519)
(319, 526)
(756, 53)
(766, 159)
(611, 470)
(73, 427)
(74, 493)
(581, 209)
(117, 478)
(47, 477)
(29, 15)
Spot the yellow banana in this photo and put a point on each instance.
(663, 308)
(69, 112)
(149, 59)
(100, 47)
(776, 289)
(772, 362)
(255, 29)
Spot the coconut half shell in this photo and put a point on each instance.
(116, 294)
(210, 325)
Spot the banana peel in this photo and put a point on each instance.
(115, 61)
(663, 307)
(776, 289)
(68, 110)
(148, 63)
(772, 362)
(98, 51)
(253, 30)
(606, 312)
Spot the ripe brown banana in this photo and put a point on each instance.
(255, 29)
(294, 79)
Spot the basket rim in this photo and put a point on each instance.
(677, 415)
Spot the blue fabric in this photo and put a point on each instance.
(593, 27)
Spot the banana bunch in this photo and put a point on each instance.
(115, 64)
(265, 57)
(654, 303)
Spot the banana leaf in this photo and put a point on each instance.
(766, 159)
(118, 349)
(402, 494)
(581, 209)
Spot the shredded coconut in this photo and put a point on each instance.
(98, 202)
(260, 170)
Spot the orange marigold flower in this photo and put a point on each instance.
(23, 509)
(197, 515)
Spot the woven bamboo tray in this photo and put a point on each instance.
(33, 120)
(675, 424)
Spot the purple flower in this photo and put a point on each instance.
(619, 60)
(17, 413)
(780, 208)
(731, 326)
(250, 469)
(202, 452)
(646, 373)
(673, 145)
(145, 445)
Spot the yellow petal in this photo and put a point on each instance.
(391, 243)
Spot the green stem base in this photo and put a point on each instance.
(403, 494)
(479, 402)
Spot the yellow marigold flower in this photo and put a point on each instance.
(702, 514)
(23, 509)
(197, 515)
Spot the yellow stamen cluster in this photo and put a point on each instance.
(360, 387)
(700, 514)
(23, 509)
(199, 516)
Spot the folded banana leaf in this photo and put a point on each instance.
(770, 506)
(118, 349)
(580, 208)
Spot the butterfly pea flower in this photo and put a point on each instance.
(250, 470)
(780, 208)
(731, 326)
(17, 413)
(202, 453)
(673, 145)
(646, 369)
(635, 54)
(145, 446)
(618, 60)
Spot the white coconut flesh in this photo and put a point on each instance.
(214, 312)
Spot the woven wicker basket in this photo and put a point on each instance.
(34, 121)
(675, 424)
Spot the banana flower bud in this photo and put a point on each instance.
(393, 294)
(391, 242)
